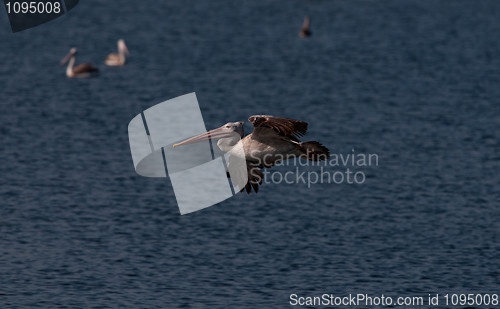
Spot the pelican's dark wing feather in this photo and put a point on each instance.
(283, 126)
(84, 68)
(255, 177)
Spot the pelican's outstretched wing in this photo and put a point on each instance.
(283, 126)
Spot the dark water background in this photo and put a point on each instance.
(417, 82)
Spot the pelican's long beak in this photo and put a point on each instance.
(65, 59)
(216, 133)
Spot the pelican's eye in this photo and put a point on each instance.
(227, 126)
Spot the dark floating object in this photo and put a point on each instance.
(305, 31)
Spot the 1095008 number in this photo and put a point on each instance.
(471, 299)
(33, 7)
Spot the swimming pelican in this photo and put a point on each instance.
(305, 31)
(81, 70)
(273, 139)
(118, 59)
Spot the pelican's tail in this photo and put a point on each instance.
(314, 151)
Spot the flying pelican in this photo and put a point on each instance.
(273, 139)
(305, 32)
(118, 59)
(81, 70)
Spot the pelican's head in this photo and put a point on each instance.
(122, 47)
(229, 130)
(236, 127)
(71, 53)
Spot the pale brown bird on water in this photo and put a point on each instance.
(81, 70)
(273, 140)
(118, 59)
